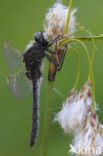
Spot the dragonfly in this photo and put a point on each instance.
(29, 77)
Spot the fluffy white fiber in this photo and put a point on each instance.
(89, 141)
(55, 20)
(29, 45)
(75, 109)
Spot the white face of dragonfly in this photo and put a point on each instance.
(45, 36)
(41, 38)
(31, 43)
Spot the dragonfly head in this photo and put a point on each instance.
(41, 38)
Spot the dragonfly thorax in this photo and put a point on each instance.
(32, 58)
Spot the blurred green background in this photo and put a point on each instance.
(18, 22)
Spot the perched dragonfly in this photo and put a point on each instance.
(19, 84)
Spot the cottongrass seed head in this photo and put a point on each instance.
(89, 141)
(55, 20)
(75, 109)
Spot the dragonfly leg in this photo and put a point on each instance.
(52, 60)
(61, 61)
(50, 51)
(53, 41)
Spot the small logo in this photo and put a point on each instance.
(72, 149)
(85, 150)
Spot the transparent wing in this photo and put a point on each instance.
(14, 58)
(19, 85)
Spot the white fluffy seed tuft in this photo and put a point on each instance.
(90, 137)
(75, 109)
(56, 18)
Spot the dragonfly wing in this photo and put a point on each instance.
(19, 85)
(14, 58)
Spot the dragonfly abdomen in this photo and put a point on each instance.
(35, 112)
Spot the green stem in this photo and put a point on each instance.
(84, 38)
(77, 31)
(68, 18)
(91, 77)
(91, 37)
(78, 72)
(93, 49)
(47, 120)
(88, 38)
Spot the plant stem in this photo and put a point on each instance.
(91, 77)
(78, 72)
(84, 38)
(88, 38)
(47, 119)
(68, 18)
